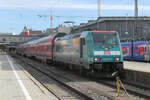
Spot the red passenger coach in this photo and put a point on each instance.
(41, 49)
(45, 47)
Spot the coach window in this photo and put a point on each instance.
(124, 50)
(141, 50)
(49, 47)
(45, 48)
(136, 50)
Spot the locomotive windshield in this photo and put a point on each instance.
(105, 38)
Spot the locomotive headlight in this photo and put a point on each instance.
(117, 59)
(97, 59)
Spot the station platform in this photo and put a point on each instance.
(137, 66)
(137, 73)
(17, 84)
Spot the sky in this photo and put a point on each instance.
(15, 14)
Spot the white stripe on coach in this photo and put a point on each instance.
(28, 97)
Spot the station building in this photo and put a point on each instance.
(14, 40)
(127, 27)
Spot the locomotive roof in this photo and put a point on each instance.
(68, 37)
(79, 34)
(105, 31)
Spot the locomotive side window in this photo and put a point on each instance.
(57, 48)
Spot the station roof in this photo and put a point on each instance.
(113, 18)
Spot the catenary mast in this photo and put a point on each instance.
(136, 8)
(98, 7)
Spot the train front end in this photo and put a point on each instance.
(106, 56)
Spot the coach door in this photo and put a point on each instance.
(146, 56)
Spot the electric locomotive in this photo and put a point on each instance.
(92, 52)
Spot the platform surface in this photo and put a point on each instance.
(137, 66)
(17, 84)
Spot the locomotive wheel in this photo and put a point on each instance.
(88, 75)
(54, 63)
(70, 67)
(83, 72)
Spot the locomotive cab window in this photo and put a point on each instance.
(105, 38)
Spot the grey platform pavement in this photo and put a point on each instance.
(137, 72)
(15, 83)
(137, 66)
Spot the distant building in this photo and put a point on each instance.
(27, 32)
(59, 29)
(35, 32)
(50, 30)
(64, 29)
(6, 33)
(16, 39)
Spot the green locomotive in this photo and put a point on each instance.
(91, 52)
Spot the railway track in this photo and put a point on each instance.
(88, 89)
(62, 80)
(60, 90)
(132, 88)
